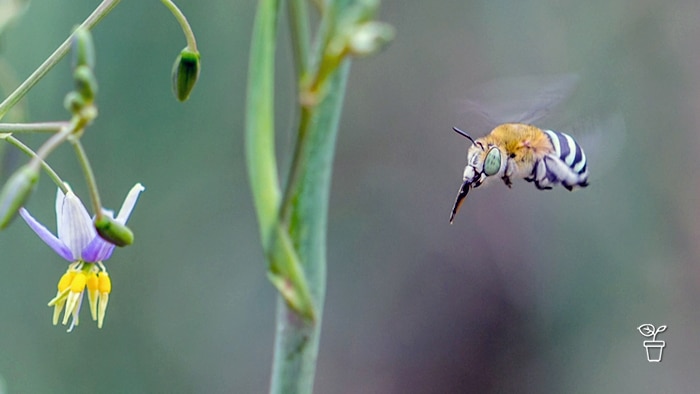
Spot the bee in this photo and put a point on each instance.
(518, 150)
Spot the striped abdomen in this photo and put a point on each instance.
(566, 165)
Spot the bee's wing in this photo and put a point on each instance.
(516, 100)
(602, 141)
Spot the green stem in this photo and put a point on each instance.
(300, 34)
(100, 12)
(47, 168)
(89, 177)
(295, 172)
(8, 82)
(293, 231)
(184, 24)
(304, 209)
(57, 139)
(306, 111)
(42, 127)
(296, 342)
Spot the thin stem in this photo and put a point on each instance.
(8, 81)
(42, 127)
(89, 177)
(184, 24)
(57, 139)
(47, 168)
(306, 112)
(100, 12)
(295, 172)
(300, 34)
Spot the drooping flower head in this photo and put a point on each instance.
(79, 243)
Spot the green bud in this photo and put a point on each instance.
(185, 73)
(83, 48)
(369, 38)
(74, 102)
(16, 192)
(112, 231)
(85, 82)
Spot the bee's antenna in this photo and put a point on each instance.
(463, 134)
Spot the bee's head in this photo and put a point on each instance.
(482, 160)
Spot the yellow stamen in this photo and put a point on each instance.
(105, 287)
(65, 280)
(78, 283)
(105, 282)
(74, 297)
(93, 293)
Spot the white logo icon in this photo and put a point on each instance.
(655, 349)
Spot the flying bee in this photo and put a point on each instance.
(514, 148)
(517, 150)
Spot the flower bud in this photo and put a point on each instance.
(369, 38)
(74, 102)
(83, 48)
(85, 82)
(112, 231)
(185, 73)
(16, 192)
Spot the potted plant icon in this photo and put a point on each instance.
(655, 349)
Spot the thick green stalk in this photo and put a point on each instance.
(297, 340)
(293, 228)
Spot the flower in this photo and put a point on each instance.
(79, 243)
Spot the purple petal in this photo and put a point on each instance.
(97, 250)
(46, 236)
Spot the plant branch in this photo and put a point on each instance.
(47, 168)
(100, 12)
(42, 127)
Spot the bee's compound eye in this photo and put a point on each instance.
(493, 161)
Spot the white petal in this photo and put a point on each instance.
(75, 227)
(59, 212)
(129, 203)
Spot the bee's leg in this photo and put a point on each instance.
(508, 172)
(507, 181)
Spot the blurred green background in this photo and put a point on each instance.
(528, 291)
